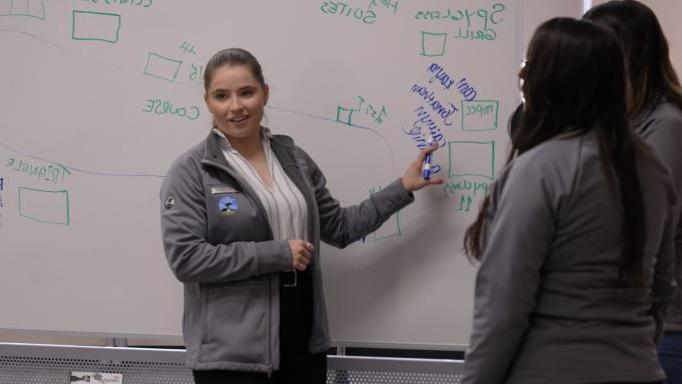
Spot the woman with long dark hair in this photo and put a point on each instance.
(575, 240)
(656, 115)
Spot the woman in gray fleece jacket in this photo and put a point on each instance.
(575, 241)
(242, 215)
(656, 113)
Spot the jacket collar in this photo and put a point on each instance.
(213, 152)
(222, 139)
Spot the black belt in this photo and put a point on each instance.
(294, 278)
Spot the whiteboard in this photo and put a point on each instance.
(99, 97)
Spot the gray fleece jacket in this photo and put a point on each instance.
(661, 127)
(549, 306)
(229, 263)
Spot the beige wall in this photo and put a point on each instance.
(535, 12)
(668, 13)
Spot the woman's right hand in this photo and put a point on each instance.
(301, 254)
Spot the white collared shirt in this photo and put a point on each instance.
(284, 204)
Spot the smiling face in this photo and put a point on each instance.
(236, 99)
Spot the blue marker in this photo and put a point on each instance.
(426, 167)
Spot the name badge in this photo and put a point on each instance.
(219, 190)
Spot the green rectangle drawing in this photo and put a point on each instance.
(45, 206)
(162, 67)
(471, 158)
(480, 115)
(96, 26)
(30, 8)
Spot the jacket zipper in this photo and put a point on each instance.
(269, 349)
(247, 192)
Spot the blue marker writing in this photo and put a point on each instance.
(426, 166)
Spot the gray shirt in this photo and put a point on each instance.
(547, 307)
(661, 127)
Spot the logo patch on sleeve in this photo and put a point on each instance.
(170, 202)
(228, 205)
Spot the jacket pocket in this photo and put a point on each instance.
(237, 322)
(231, 216)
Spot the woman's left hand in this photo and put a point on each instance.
(413, 180)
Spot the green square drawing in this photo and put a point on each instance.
(344, 115)
(480, 115)
(471, 158)
(433, 44)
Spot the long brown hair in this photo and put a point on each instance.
(646, 52)
(574, 82)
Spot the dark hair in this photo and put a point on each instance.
(514, 121)
(646, 52)
(230, 57)
(574, 83)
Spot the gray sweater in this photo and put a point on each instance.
(547, 307)
(661, 127)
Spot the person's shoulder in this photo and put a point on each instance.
(667, 109)
(283, 139)
(188, 160)
(664, 116)
(193, 154)
(652, 171)
(289, 143)
(551, 165)
(552, 153)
